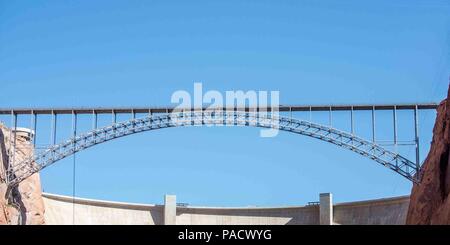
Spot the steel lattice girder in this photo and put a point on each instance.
(54, 153)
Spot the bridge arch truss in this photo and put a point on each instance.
(77, 143)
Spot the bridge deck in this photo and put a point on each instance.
(283, 108)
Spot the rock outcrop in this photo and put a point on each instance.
(430, 201)
(28, 205)
(4, 214)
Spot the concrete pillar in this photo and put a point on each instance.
(170, 210)
(326, 209)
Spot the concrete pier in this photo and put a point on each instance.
(170, 210)
(326, 209)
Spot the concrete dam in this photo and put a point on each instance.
(59, 210)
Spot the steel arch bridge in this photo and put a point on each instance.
(77, 143)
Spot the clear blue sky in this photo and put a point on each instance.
(137, 53)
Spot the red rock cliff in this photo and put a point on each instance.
(430, 201)
(30, 205)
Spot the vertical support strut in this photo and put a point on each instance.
(331, 117)
(94, 120)
(114, 117)
(11, 139)
(53, 132)
(395, 129)
(133, 116)
(14, 141)
(373, 125)
(416, 130)
(310, 114)
(74, 123)
(114, 120)
(33, 127)
(352, 122)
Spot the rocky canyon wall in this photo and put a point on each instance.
(28, 207)
(430, 201)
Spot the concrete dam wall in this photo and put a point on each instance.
(62, 210)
